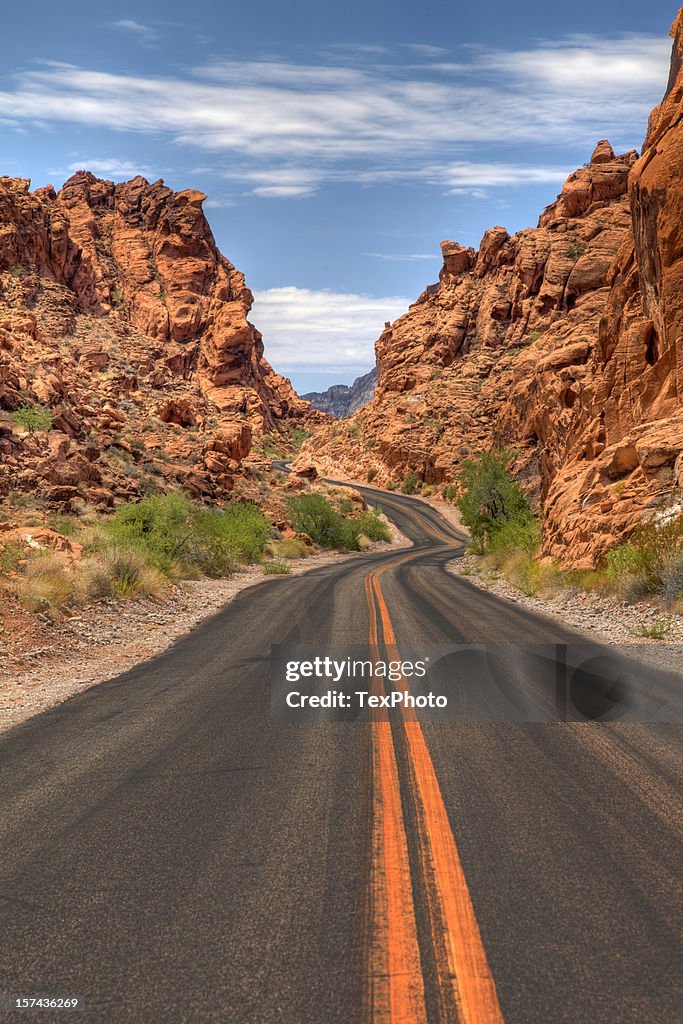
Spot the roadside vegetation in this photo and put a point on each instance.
(145, 546)
(330, 527)
(282, 445)
(506, 538)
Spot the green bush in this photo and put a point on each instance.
(411, 484)
(182, 538)
(372, 527)
(313, 514)
(515, 535)
(33, 418)
(647, 563)
(450, 492)
(491, 500)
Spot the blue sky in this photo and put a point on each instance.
(338, 143)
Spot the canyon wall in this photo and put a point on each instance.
(120, 317)
(562, 343)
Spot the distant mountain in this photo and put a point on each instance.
(342, 400)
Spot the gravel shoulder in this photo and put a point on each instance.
(600, 617)
(96, 643)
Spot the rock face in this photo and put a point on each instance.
(563, 343)
(342, 400)
(120, 317)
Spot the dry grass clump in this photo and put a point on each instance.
(51, 582)
(48, 584)
(288, 547)
(130, 575)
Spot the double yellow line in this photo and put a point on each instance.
(395, 988)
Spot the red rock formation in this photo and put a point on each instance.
(119, 314)
(627, 459)
(563, 343)
(446, 367)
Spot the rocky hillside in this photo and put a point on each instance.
(563, 342)
(343, 400)
(127, 361)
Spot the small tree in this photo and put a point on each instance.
(491, 499)
(33, 418)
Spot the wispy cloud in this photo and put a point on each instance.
(143, 33)
(118, 170)
(218, 203)
(424, 49)
(289, 128)
(401, 257)
(339, 329)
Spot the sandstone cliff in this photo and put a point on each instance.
(562, 342)
(120, 317)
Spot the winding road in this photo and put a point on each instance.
(174, 849)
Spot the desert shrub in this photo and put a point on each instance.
(411, 483)
(240, 529)
(48, 584)
(525, 571)
(491, 499)
(276, 569)
(10, 556)
(33, 418)
(576, 249)
(288, 547)
(156, 528)
(372, 526)
(179, 537)
(66, 525)
(371, 474)
(94, 581)
(130, 575)
(646, 564)
(672, 579)
(313, 514)
(657, 630)
(515, 535)
(450, 492)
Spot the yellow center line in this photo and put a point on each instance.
(395, 986)
(466, 974)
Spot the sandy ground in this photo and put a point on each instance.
(110, 637)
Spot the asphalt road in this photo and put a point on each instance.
(172, 849)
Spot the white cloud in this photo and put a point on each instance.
(218, 203)
(586, 63)
(143, 33)
(368, 122)
(118, 170)
(424, 49)
(280, 181)
(398, 257)
(326, 330)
